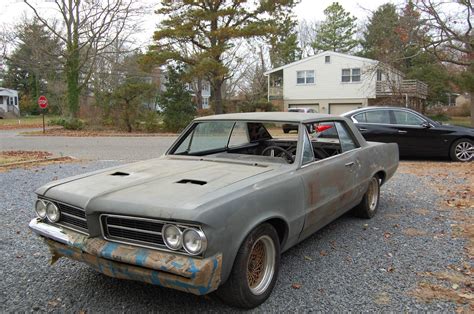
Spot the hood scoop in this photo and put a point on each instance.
(120, 174)
(191, 181)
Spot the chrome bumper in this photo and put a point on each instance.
(185, 273)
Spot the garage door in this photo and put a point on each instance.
(312, 106)
(343, 108)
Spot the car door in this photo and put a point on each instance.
(376, 125)
(329, 184)
(416, 136)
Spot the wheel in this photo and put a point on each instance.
(271, 150)
(462, 150)
(367, 208)
(255, 269)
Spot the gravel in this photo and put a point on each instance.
(352, 264)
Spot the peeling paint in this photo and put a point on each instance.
(188, 274)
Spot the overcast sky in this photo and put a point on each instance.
(12, 10)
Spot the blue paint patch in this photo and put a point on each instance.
(65, 252)
(141, 257)
(108, 249)
(176, 264)
(193, 269)
(155, 278)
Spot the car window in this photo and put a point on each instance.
(406, 118)
(308, 154)
(240, 135)
(206, 136)
(323, 130)
(345, 138)
(360, 117)
(378, 116)
(295, 110)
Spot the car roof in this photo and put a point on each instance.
(297, 117)
(352, 112)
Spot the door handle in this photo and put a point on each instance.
(362, 129)
(402, 132)
(349, 164)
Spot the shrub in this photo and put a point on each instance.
(71, 124)
(151, 122)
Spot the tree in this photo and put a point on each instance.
(31, 70)
(337, 31)
(380, 39)
(175, 101)
(451, 41)
(284, 46)
(89, 27)
(214, 27)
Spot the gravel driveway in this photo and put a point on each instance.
(385, 264)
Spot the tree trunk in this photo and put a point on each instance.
(217, 86)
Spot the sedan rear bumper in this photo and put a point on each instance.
(184, 273)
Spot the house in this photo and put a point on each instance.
(9, 104)
(332, 82)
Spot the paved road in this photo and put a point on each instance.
(94, 148)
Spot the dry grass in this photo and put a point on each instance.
(24, 122)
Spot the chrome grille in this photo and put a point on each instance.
(141, 231)
(72, 217)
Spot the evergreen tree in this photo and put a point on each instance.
(381, 40)
(337, 31)
(213, 27)
(175, 101)
(284, 47)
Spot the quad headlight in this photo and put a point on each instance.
(47, 209)
(192, 240)
(52, 212)
(40, 208)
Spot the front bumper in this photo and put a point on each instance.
(189, 274)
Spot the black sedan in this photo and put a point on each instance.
(415, 134)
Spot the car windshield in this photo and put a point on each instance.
(239, 137)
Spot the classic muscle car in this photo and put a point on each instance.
(219, 207)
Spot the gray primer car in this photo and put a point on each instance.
(216, 211)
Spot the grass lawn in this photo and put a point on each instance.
(30, 121)
(462, 121)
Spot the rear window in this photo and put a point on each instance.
(295, 110)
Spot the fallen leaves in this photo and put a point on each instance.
(296, 286)
(413, 232)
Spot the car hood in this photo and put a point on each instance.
(141, 188)
(456, 128)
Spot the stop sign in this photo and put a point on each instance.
(43, 102)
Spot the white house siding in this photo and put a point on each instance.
(328, 87)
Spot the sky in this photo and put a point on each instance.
(11, 11)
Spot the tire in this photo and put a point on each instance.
(369, 205)
(462, 150)
(246, 288)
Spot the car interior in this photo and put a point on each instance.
(257, 141)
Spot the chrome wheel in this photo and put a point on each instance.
(261, 265)
(464, 151)
(373, 193)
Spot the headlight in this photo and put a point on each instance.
(40, 208)
(172, 237)
(194, 241)
(52, 212)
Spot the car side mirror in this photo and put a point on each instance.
(426, 125)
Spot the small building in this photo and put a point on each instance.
(332, 82)
(9, 104)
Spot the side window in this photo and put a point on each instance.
(378, 116)
(308, 155)
(406, 118)
(345, 138)
(240, 135)
(360, 117)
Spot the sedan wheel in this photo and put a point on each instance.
(367, 208)
(255, 269)
(462, 150)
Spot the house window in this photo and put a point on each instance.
(205, 103)
(379, 75)
(350, 75)
(1, 100)
(327, 59)
(305, 77)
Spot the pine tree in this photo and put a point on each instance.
(284, 46)
(175, 101)
(337, 31)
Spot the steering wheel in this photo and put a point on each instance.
(289, 158)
